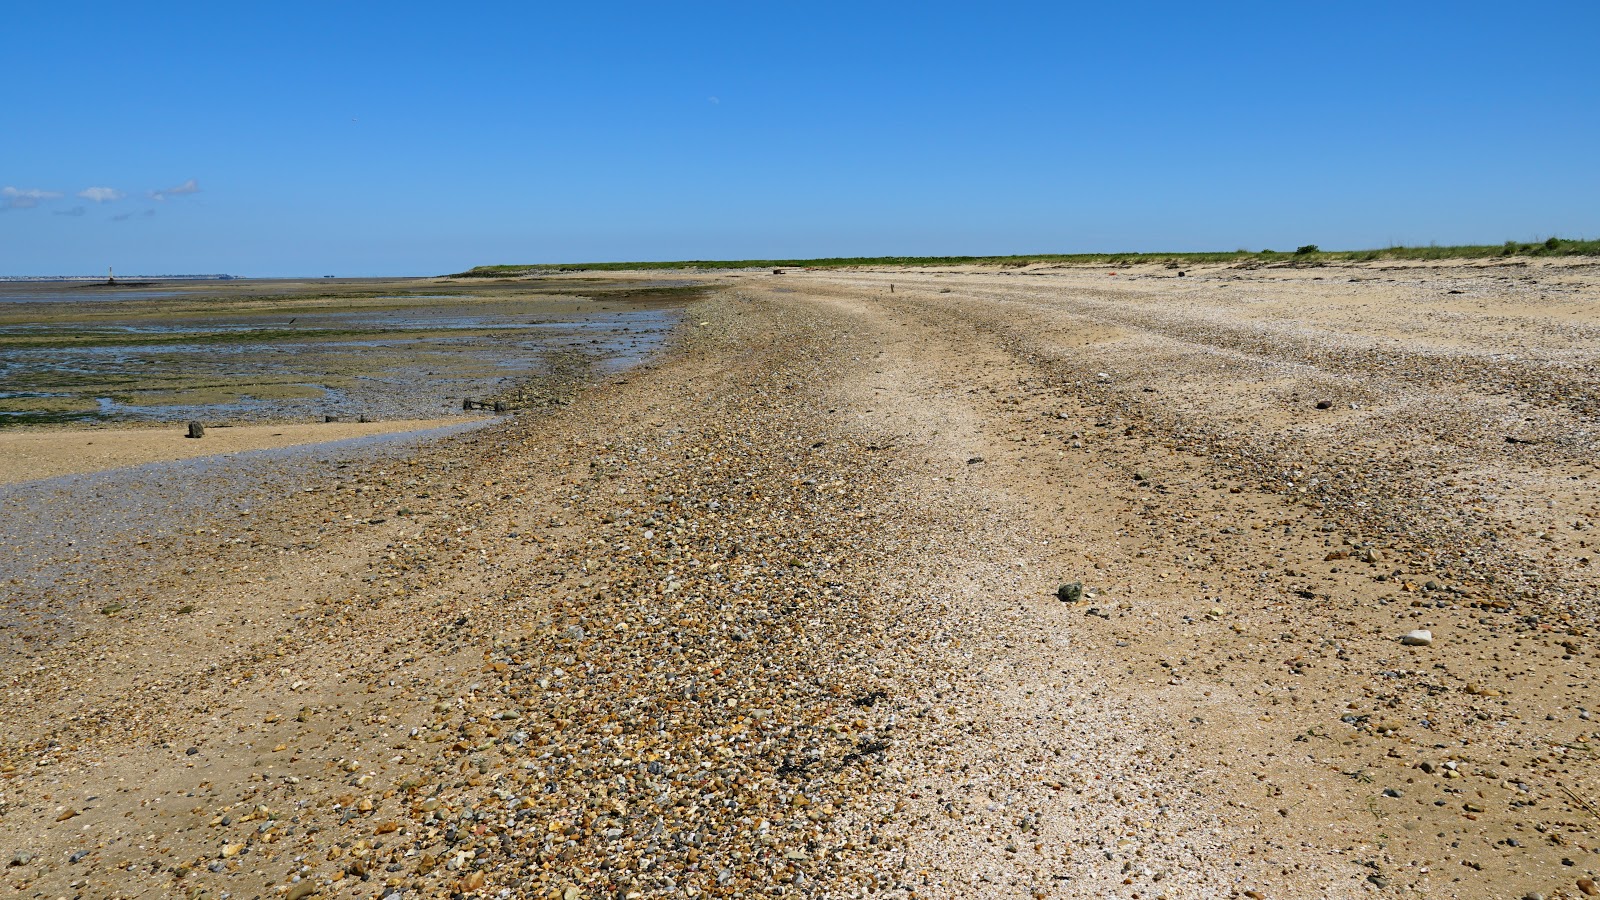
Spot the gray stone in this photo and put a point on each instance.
(1070, 592)
(1421, 637)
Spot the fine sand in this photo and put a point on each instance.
(777, 614)
(28, 455)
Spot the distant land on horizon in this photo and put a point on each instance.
(1307, 254)
(120, 278)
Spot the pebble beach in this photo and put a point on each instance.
(1052, 581)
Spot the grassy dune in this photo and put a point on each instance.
(1302, 255)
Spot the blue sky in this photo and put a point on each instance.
(402, 138)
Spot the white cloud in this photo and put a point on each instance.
(14, 198)
(101, 194)
(188, 187)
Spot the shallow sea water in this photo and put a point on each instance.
(254, 354)
(70, 544)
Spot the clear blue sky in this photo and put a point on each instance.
(404, 138)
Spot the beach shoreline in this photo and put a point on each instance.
(921, 583)
(30, 454)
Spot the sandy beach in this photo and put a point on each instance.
(1033, 582)
(46, 453)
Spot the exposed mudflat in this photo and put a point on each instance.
(283, 350)
(778, 614)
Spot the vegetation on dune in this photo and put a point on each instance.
(1307, 254)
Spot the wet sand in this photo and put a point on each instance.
(780, 614)
(29, 455)
(269, 351)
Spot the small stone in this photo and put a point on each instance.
(1070, 592)
(21, 858)
(1588, 887)
(1324, 404)
(301, 890)
(1421, 637)
(1533, 895)
(1393, 792)
(196, 430)
(1378, 880)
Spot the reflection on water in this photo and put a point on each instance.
(248, 363)
(73, 542)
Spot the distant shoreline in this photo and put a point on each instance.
(120, 281)
(1304, 255)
